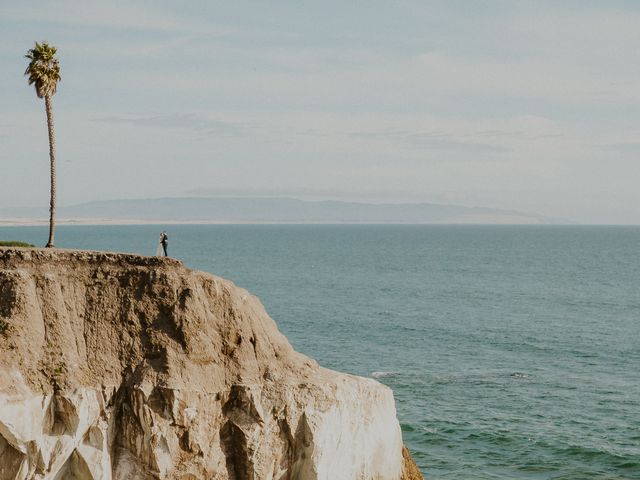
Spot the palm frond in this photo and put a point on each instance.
(43, 70)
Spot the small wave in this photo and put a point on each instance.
(491, 437)
(601, 454)
(384, 374)
(519, 375)
(407, 427)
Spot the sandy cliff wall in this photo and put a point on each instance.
(121, 367)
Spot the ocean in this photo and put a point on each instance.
(513, 351)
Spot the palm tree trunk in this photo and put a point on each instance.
(52, 157)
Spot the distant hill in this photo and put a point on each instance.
(277, 210)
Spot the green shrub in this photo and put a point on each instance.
(11, 243)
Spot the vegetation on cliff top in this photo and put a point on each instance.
(13, 243)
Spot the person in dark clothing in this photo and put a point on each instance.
(164, 241)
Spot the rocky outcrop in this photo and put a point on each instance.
(124, 367)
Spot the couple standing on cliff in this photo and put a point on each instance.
(162, 245)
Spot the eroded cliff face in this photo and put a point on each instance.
(124, 367)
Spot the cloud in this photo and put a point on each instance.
(430, 140)
(186, 121)
(111, 15)
(631, 148)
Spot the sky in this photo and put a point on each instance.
(515, 104)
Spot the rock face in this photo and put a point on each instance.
(123, 367)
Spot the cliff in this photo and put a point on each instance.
(117, 366)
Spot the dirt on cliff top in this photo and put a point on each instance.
(91, 318)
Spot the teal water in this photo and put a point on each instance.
(513, 352)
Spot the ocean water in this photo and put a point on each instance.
(513, 352)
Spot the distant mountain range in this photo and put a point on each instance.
(275, 210)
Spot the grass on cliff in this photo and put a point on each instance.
(13, 243)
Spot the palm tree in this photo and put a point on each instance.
(44, 73)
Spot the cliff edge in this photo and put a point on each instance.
(117, 366)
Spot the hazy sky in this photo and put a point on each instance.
(522, 105)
